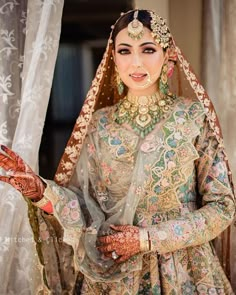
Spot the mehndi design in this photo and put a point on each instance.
(21, 177)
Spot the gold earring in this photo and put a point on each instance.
(120, 84)
(163, 81)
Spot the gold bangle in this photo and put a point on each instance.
(144, 240)
(41, 203)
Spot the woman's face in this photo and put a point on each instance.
(139, 62)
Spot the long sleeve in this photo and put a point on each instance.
(67, 209)
(214, 191)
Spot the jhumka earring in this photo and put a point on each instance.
(120, 84)
(163, 81)
(135, 28)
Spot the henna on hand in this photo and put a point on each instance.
(22, 177)
(125, 242)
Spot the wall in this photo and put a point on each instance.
(186, 27)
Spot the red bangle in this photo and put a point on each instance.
(47, 208)
(44, 204)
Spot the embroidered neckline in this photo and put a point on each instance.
(142, 113)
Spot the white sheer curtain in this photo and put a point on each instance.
(29, 38)
(219, 73)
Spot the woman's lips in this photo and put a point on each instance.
(138, 77)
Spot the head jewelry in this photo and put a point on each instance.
(135, 28)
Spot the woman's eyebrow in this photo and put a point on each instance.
(124, 44)
(147, 43)
(143, 44)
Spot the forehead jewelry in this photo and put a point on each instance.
(135, 28)
(160, 31)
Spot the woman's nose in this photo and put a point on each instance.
(137, 60)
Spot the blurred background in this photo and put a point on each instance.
(203, 29)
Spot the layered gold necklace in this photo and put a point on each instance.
(142, 113)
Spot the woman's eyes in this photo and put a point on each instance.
(148, 50)
(123, 51)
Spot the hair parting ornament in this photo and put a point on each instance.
(135, 28)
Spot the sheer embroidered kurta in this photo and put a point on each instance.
(174, 183)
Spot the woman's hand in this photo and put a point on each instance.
(21, 176)
(121, 245)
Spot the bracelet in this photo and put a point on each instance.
(144, 240)
(45, 204)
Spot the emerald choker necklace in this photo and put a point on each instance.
(142, 113)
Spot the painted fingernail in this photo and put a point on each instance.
(4, 148)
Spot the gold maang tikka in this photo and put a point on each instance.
(135, 28)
